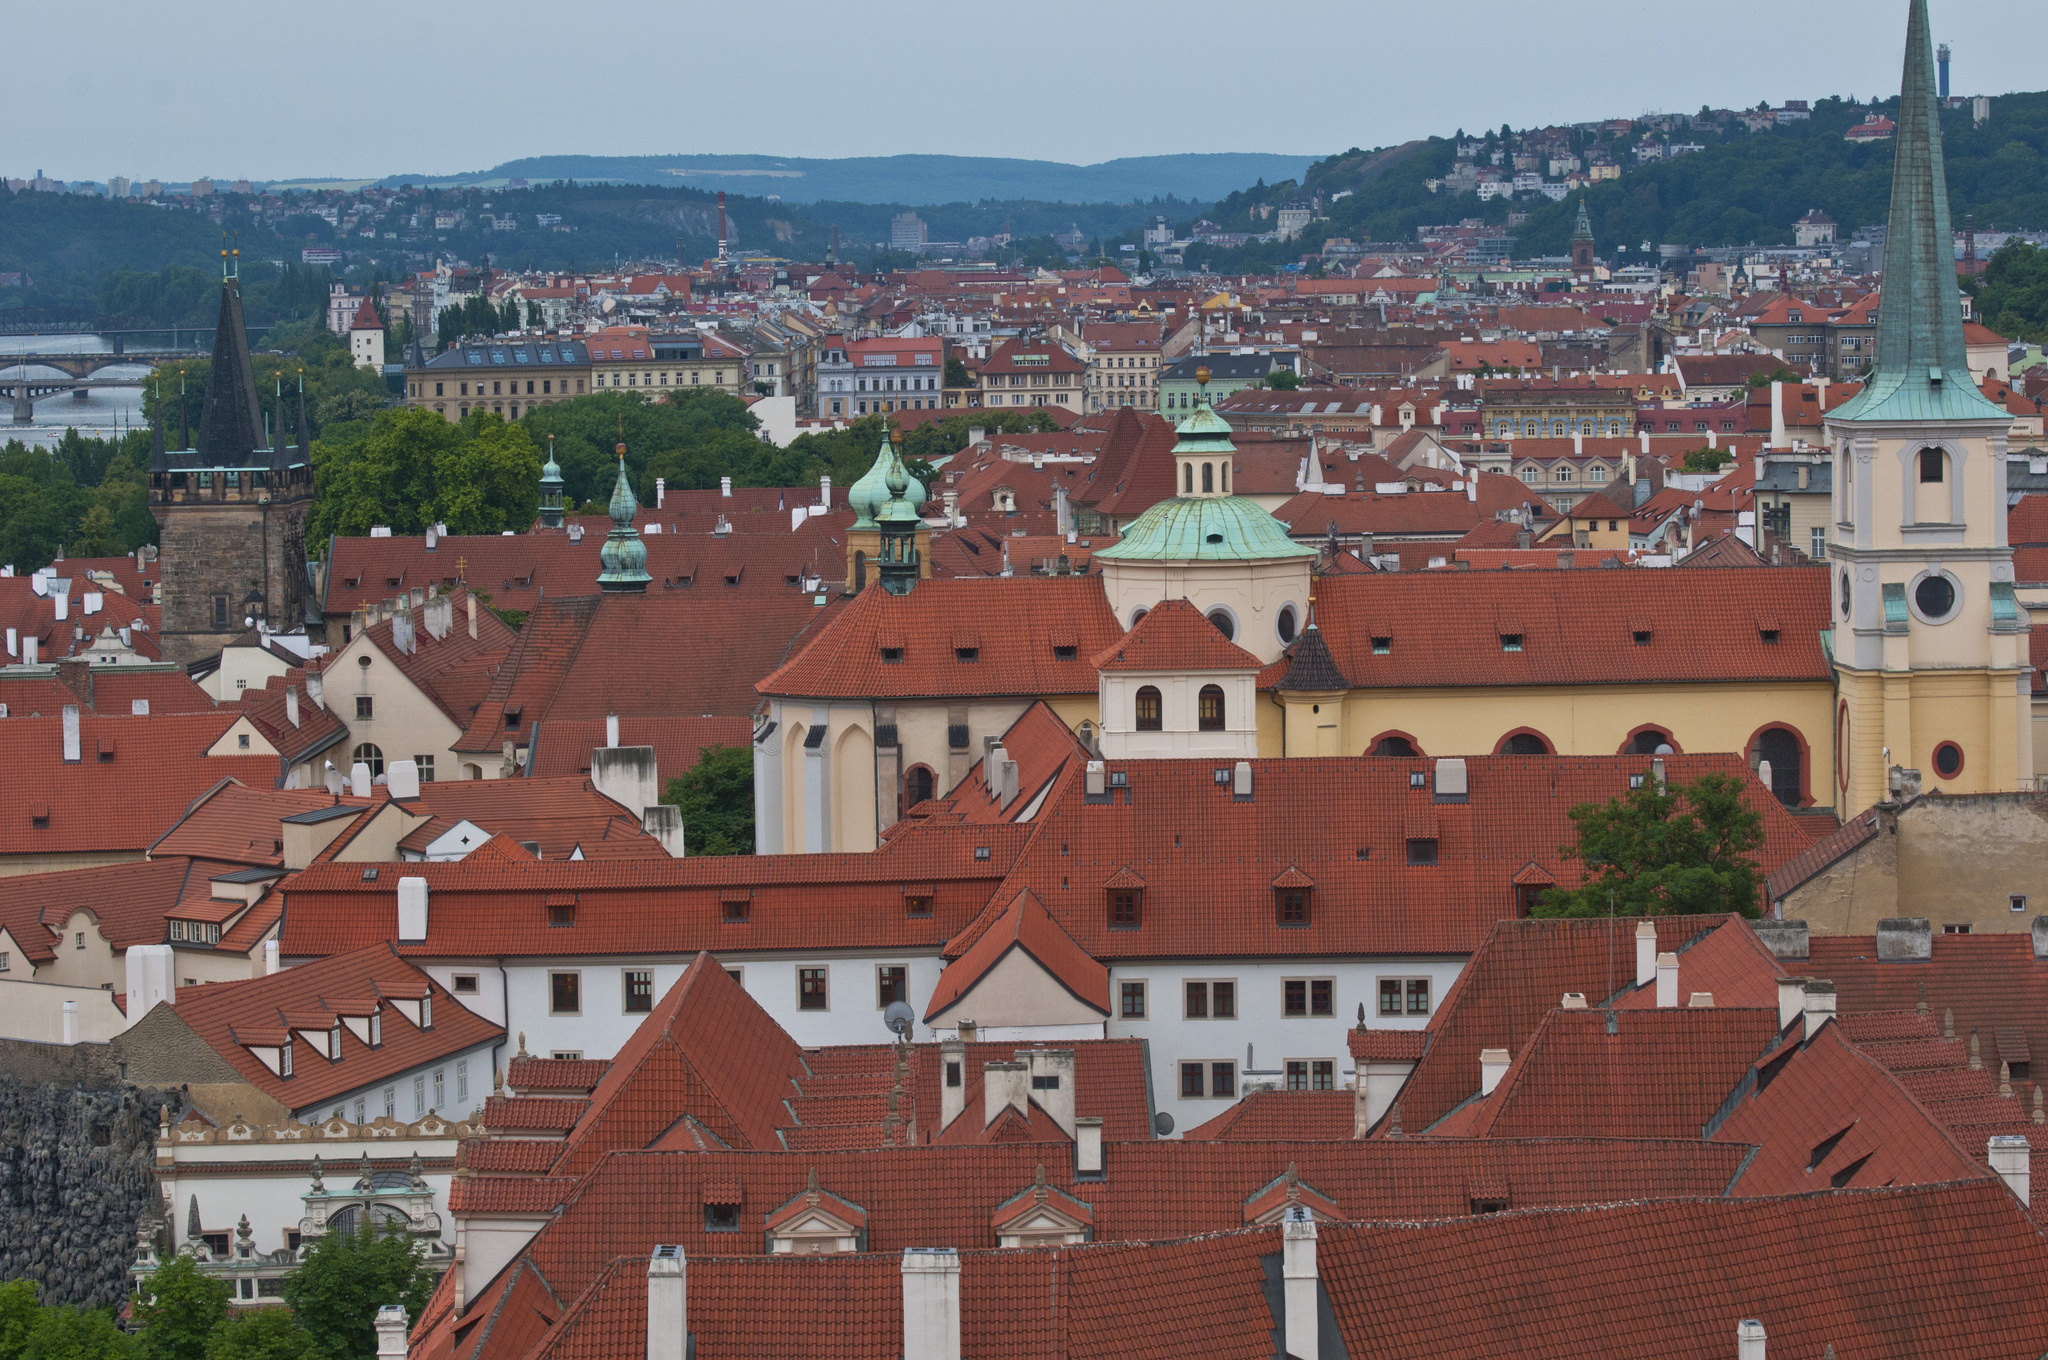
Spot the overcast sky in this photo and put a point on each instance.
(232, 88)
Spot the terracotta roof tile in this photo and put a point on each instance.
(1174, 636)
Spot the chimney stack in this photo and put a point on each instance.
(1052, 1084)
(412, 910)
(661, 490)
(668, 1304)
(392, 1327)
(825, 491)
(952, 1080)
(1003, 1083)
(1088, 1146)
(71, 756)
(71, 1026)
(316, 689)
(2011, 1156)
(291, 704)
(1819, 1006)
(1298, 1267)
(271, 962)
(611, 729)
(1791, 1000)
(1646, 953)
(1667, 980)
(1493, 1065)
(472, 616)
(725, 487)
(1749, 1340)
(359, 779)
(931, 1304)
(402, 779)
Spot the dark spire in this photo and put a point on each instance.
(157, 461)
(305, 452)
(231, 424)
(1923, 371)
(1311, 668)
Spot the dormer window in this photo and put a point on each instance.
(1382, 646)
(1126, 908)
(284, 1059)
(1291, 906)
(1641, 637)
(1511, 642)
(427, 1011)
(967, 655)
(1065, 653)
(1767, 636)
(892, 656)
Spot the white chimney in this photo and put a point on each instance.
(668, 1304)
(2011, 1156)
(152, 977)
(1008, 777)
(1749, 1333)
(1003, 1083)
(335, 784)
(1088, 1146)
(952, 1080)
(412, 910)
(1778, 439)
(402, 779)
(724, 487)
(1493, 1065)
(1573, 1001)
(63, 603)
(1052, 1084)
(359, 779)
(1820, 1004)
(825, 492)
(611, 729)
(472, 617)
(29, 646)
(1451, 777)
(1298, 1267)
(1791, 999)
(1646, 953)
(291, 704)
(1472, 486)
(432, 538)
(271, 962)
(664, 822)
(316, 689)
(931, 1304)
(71, 1026)
(661, 490)
(1701, 1001)
(71, 734)
(138, 708)
(1667, 979)
(13, 642)
(391, 1329)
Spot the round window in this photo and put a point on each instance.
(1224, 624)
(1948, 760)
(1936, 597)
(1286, 624)
(1845, 594)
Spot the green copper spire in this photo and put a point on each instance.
(551, 489)
(899, 522)
(873, 490)
(623, 556)
(1922, 371)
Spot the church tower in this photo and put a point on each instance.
(231, 511)
(1582, 246)
(1930, 646)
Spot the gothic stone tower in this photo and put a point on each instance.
(1582, 245)
(231, 512)
(1930, 646)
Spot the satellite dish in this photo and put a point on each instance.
(899, 1018)
(1162, 1123)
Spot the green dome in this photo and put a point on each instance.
(1205, 529)
(551, 471)
(888, 478)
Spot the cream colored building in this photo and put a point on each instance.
(629, 358)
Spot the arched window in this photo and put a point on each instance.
(1224, 623)
(1933, 465)
(1226, 479)
(1781, 748)
(1396, 746)
(1187, 478)
(1646, 742)
(1524, 744)
(1137, 614)
(1209, 709)
(860, 572)
(917, 786)
(369, 755)
(1285, 625)
(1208, 477)
(1148, 709)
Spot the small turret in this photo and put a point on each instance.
(1204, 452)
(551, 490)
(623, 557)
(899, 520)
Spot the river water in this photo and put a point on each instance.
(102, 412)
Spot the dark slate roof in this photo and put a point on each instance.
(1224, 366)
(1311, 667)
(512, 354)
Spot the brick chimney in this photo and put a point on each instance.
(1646, 953)
(931, 1304)
(668, 1311)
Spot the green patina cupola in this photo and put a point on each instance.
(898, 520)
(873, 490)
(624, 556)
(551, 490)
(1922, 371)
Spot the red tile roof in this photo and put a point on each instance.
(238, 824)
(1018, 629)
(1025, 926)
(1282, 1116)
(130, 901)
(562, 746)
(230, 1015)
(1174, 636)
(561, 815)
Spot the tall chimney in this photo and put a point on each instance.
(412, 910)
(391, 1329)
(660, 491)
(1778, 439)
(931, 1304)
(825, 491)
(359, 782)
(1052, 1084)
(721, 226)
(71, 1027)
(1493, 1065)
(1003, 1083)
(271, 962)
(1667, 979)
(291, 704)
(71, 734)
(952, 1080)
(1820, 1004)
(1646, 953)
(1749, 1339)
(725, 487)
(472, 617)
(1298, 1267)
(611, 729)
(2011, 1156)
(668, 1304)
(1791, 1000)
(1088, 1146)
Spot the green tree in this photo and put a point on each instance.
(957, 374)
(65, 1333)
(1706, 460)
(1656, 852)
(261, 1334)
(345, 1278)
(1283, 380)
(411, 468)
(18, 1314)
(716, 799)
(175, 1310)
(1776, 375)
(2012, 294)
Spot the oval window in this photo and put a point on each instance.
(1845, 594)
(1936, 596)
(1223, 624)
(1286, 624)
(1948, 760)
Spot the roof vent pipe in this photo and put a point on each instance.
(1646, 953)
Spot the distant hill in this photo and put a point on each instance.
(1740, 188)
(911, 180)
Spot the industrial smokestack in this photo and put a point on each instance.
(721, 226)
